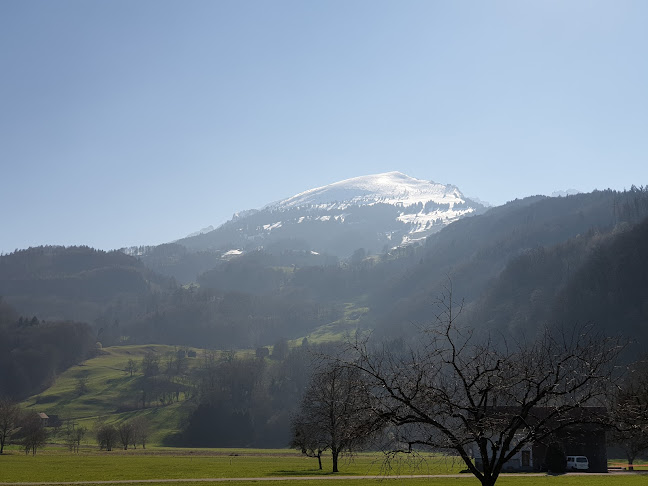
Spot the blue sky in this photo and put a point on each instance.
(138, 122)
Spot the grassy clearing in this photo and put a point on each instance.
(56, 465)
(337, 330)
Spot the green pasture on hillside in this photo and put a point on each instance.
(112, 393)
(109, 386)
(337, 330)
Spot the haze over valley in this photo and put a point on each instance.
(409, 226)
(370, 253)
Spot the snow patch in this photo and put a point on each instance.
(270, 227)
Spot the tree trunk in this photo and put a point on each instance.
(488, 481)
(489, 478)
(630, 462)
(335, 453)
(319, 459)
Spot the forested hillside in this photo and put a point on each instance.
(517, 267)
(33, 352)
(597, 278)
(611, 287)
(493, 258)
(78, 283)
(124, 301)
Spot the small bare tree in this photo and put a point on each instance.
(310, 440)
(335, 414)
(106, 435)
(77, 436)
(74, 434)
(630, 413)
(482, 397)
(9, 419)
(141, 429)
(150, 365)
(132, 366)
(126, 433)
(33, 432)
(81, 387)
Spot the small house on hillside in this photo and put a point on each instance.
(54, 421)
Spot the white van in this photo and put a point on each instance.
(577, 463)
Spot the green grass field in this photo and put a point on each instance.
(55, 465)
(109, 386)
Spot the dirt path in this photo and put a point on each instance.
(219, 480)
(294, 478)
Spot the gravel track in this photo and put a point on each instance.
(296, 478)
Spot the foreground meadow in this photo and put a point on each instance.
(281, 467)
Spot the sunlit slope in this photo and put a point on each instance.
(103, 388)
(352, 320)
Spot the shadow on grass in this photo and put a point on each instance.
(47, 399)
(308, 472)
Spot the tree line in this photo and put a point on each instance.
(26, 427)
(30, 430)
(33, 352)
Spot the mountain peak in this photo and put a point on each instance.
(374, 212)
(388, 187)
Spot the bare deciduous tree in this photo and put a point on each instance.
(74, 434)
(482, 397)
(150, 365)
(106, 436)
(9, 418)
(310, 440)
(335, 414)
(81, 387)
(132, 366)
(126, 432)
(630, 413)
(33, 432)
(141, 428)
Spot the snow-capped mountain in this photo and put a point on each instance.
(390, 188)
(373, 212)
(425, 206)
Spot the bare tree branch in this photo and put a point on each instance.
(487, 398)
